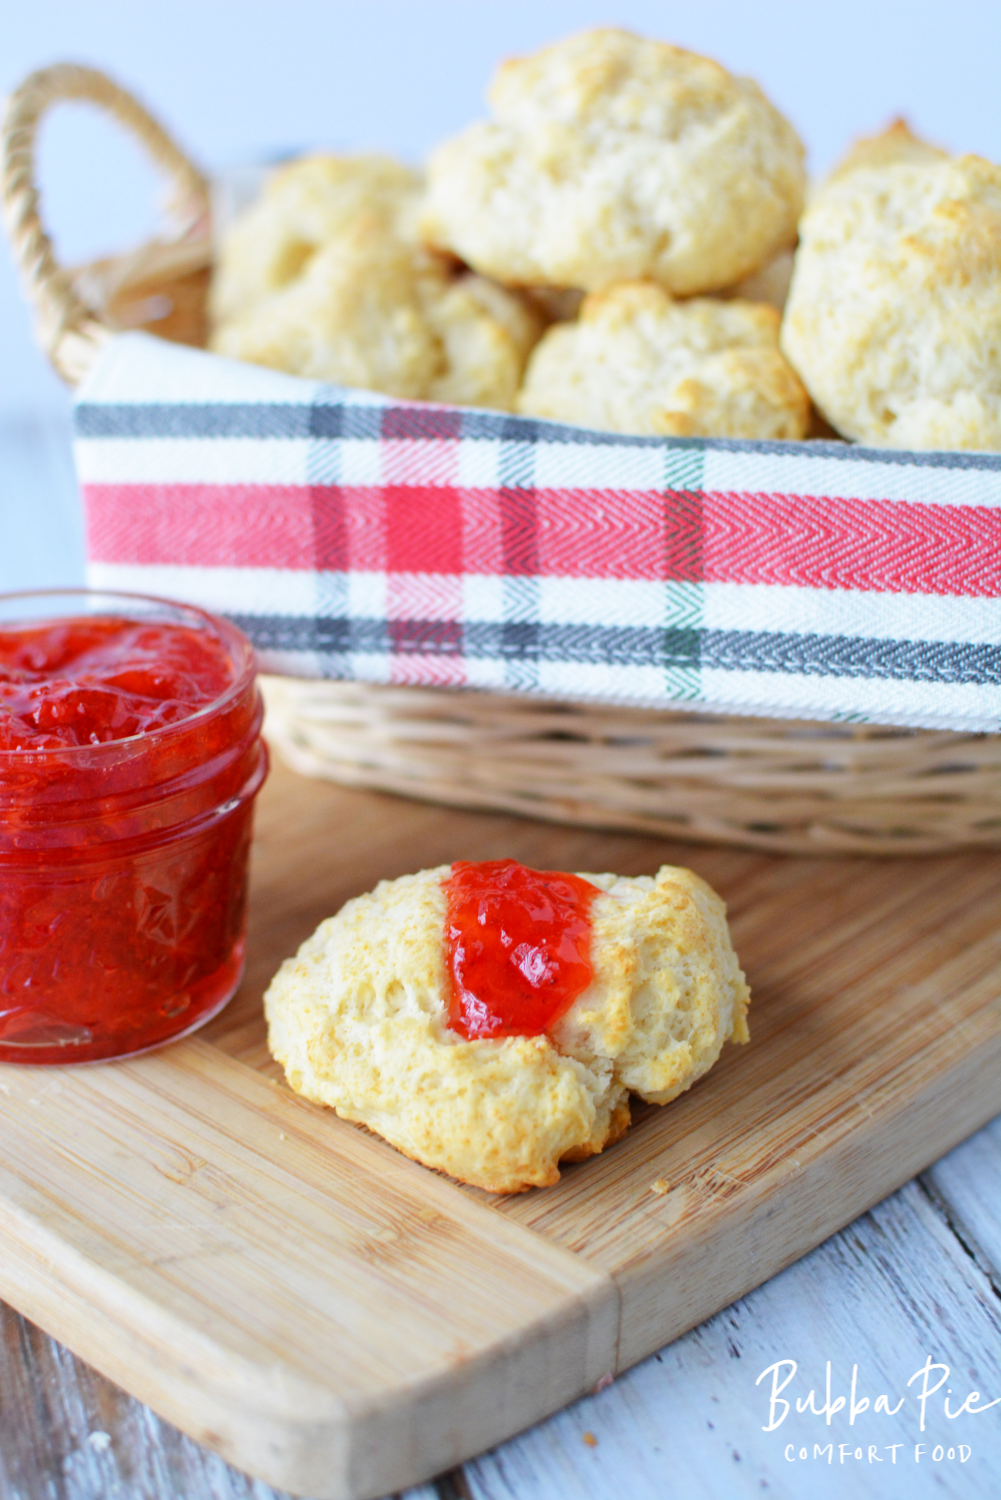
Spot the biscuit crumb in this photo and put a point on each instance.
(660, 1187)
(590, 1439)
(281, 1135)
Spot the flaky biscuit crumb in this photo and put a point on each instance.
(358, 1020)
(637, 361)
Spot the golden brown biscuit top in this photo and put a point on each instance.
(638, 361)
(607, 77)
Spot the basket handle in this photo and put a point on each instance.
(70, 331)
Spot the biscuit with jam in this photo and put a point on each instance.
(364, 1020)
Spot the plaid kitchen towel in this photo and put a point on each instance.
(355, 536)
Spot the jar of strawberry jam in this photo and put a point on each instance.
(130, 755)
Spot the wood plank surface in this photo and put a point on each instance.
(966, 1185)
(292, 1292)
(879, 1297)
(338, 1320)
(877, 1045)
(885, 1293)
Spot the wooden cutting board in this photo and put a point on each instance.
(339, 1321)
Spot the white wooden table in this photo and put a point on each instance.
(917, 1279)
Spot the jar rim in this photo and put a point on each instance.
(240, 649)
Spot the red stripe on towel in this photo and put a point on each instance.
(201, 525)
(825, 542)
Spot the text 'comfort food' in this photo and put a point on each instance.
(491, 1021)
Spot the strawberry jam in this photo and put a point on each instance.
(130, 754)
(517, 944)
(84, 682)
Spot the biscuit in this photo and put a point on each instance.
(373, 311)
(639, 362)
(358, 1020)
(894, 313)
(611, 158)
(486, 333)
(895, 145)
(302, 207)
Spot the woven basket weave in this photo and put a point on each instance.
(769, 784)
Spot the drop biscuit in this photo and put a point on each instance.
(358, 1020)
(893, 319)
(637, 361)
(610, 157)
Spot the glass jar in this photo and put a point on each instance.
(123, 864)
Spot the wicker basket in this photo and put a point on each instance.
(784, 786)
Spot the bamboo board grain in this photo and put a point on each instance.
(340, 1322)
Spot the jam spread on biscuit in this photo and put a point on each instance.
(517, 945)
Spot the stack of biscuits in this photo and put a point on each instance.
(614, 249)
